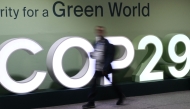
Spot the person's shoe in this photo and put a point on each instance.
(121, 100)
(88, 105)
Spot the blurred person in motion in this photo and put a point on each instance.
(104, 55)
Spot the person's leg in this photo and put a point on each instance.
(121, 96)
(93, 92)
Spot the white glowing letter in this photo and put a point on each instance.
(32, 82)
(54, 62)
(127, 57)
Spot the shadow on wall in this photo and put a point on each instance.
(120, 75)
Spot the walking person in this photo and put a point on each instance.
(104, 55)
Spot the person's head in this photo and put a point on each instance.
(100, 31)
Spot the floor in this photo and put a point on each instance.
(174, 100)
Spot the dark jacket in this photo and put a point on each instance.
(108, 57)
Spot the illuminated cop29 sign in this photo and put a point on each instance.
(166, 48)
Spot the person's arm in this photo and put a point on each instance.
(108, 58)
(92, 53)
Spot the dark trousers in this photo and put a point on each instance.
(92, 95)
